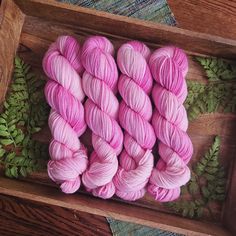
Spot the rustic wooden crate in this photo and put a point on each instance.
(29, 26)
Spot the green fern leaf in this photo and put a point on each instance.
(207, 184)
(25, 112)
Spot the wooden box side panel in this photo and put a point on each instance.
(128, 27)
(121, 211)
(11, 22)
(229, 215)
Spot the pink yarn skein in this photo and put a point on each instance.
(169, 66)
(64, 94)
(135, 83)
(101, 111)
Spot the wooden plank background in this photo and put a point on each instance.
(25, 218)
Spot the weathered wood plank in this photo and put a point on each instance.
(122, 211)
(26, 218)
(216, 17)
(128, 27)
(11, 22)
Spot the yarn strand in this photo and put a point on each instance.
(169, 67)
(101, 109)
(135, 83)
(64, 94)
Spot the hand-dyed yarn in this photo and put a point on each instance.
(169, 67)
(101, 111)
(64, 94)
(135, 83)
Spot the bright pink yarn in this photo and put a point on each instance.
(101, 110)
(135, 83)
(64, 94)
(169, 66)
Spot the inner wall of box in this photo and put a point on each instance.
(37, 34)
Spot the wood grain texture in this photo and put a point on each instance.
(122, 211)
(25, 218)
(216, 17)
(229, 214)
(11, 21)
(128, 27)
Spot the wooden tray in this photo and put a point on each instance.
(29, 26)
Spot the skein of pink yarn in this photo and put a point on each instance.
(101, 111)
(135, 83)
(64, 94)
(169, 66)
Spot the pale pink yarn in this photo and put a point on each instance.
(101, 110)
(64, 94)
(169, 66)
(135, 83)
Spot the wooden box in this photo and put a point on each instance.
(29, 26)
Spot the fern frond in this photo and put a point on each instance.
(217, 68)
(25, 112)
(207, 184)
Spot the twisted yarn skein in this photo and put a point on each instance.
(135, 83)
(101, 112)
(169, 66)
(64, 94)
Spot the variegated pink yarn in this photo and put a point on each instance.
(101, 111)
(169, 66)
(64, 94)
(135, 83)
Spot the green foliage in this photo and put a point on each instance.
(195, 103)
(209, 163)
(195, 89)
(218, 95)
(25, 111)
(217, 68)
(190, 209)
(207, 184)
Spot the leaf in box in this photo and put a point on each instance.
(193, 187)
(2, 152)
(199, 212)
(10, 156)
(12, 122)
(4, 133)
(20, 81)
(209, 177)
(6, 142)
(205, 191)
(199, 169)
(213, 163)
(2, 120)
(3, 127)
(191, 213)
(8, 172)
(5, 104)
(19, 138)
(221, 182)
(185, 212)
(211, 170)
(23, 171)
(14, 172)
(220, 190)
(24, 152)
